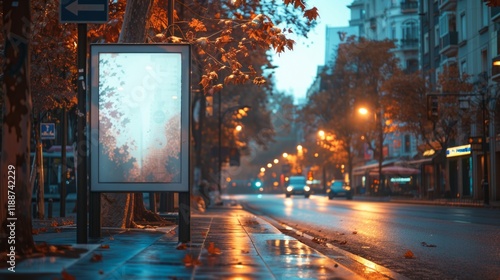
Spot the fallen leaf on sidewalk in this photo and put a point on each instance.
(96, 258)
(189, 260)
(52, 249)
(67, 276)
(341, 242)
(409, 255)
(212, 250)
(182, 246)
(105, 246)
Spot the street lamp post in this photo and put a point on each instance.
(221, 119)
(485, 184)
(381, 153)
(379, 123)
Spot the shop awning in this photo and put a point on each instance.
(396, 170)
(364, 169)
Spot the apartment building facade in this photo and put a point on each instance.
(464, 34)
(429, 35)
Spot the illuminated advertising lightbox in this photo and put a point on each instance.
(458, 151)
(139, 117)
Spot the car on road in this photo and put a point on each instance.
(339, 188)
(297, 185)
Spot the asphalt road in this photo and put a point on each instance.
(446, 242)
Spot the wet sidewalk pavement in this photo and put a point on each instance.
(227, 242)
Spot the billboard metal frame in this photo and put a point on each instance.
(181, 182)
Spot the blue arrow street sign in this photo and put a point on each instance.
(83, 11)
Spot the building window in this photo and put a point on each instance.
(463, 27)
(393, 31)
(410, 33)
(412, 65)
(426, 43)
(485, 15)
(484, 60)
(437, 38)
(410, 30)
(407, 146)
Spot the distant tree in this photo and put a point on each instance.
(409, 92)
(354, 81)
(283, 126)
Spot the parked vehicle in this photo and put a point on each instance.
(339, 188)
(298, 185)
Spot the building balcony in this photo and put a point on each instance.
(447, 5)
(449, 44)
(409, 44)
(409, 6)
(495, 14)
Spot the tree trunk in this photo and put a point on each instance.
(15, 189)
(40, 194)
(121, 209)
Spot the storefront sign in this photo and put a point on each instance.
(458, 151)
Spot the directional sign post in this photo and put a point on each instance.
(47, 131)
(83, 11)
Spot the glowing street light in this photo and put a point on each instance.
(379, 121)
(321, 134)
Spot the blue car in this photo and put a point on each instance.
(339, 188)
(297, 185)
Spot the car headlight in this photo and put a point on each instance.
(307, 188)
(289, 189)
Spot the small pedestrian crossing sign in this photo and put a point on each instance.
(48, 131)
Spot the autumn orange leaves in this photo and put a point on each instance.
(191, 260)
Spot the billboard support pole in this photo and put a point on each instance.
(184, 217)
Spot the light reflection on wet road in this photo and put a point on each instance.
(448, 242)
